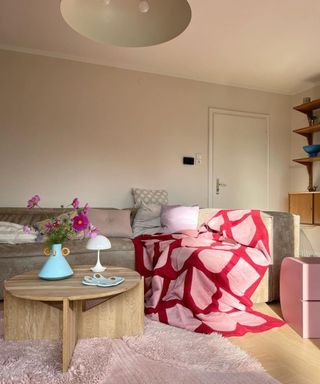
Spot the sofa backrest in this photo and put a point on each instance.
(26, 216)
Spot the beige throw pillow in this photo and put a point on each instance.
(111, 222)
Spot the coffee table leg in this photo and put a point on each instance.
(70, 330)
(30, 320)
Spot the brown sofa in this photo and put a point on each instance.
(283, 229)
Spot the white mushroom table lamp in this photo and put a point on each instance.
(98, 243)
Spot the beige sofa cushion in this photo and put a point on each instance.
(111, 222)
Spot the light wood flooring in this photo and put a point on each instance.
(283, 353)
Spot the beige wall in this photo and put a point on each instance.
(70, 128)
(298, 173)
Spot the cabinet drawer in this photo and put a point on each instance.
(300, 293)
(311, 319)
(302, 205)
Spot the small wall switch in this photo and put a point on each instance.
(198, 158)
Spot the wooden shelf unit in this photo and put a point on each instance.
(308, 132)
(307, 160)
(308, 108)
(306, 205)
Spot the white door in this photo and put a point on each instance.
(238, 160)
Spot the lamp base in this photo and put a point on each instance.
(98, 268)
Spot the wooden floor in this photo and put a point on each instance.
(283, 353)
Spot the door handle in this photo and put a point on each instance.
(218, 185)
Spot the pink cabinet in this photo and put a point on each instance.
(300, 294)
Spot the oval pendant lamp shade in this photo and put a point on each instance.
(127, 23)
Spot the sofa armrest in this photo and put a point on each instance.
(296, 225)
(284, 238)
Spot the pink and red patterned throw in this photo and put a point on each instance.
(203, 280)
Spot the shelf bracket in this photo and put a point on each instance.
(309, 137)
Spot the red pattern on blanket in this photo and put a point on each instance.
(203, 280)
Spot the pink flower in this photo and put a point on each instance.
(33, 201)
(75, 203)
(48, 227)
(80, 222)
(93, 231)
(86, 209)
(27, 229)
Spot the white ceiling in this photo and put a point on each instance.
(268, 45)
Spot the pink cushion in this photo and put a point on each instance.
(111, 222)
(175, 218)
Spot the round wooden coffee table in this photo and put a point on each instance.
(68, 310)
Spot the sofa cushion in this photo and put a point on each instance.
(149, 196)
(13, 233)
(111, 222)
(147, 220)
(175, 218)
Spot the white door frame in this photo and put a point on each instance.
(215, 111)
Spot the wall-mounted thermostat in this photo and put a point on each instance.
(188, 160)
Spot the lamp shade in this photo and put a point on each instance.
(127, 23)
(99, 242)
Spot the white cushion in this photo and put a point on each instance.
(13, 233)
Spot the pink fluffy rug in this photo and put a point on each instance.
(163, 355)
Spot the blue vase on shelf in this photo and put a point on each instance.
(56, 267)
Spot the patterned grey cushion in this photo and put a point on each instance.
(149, 196)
